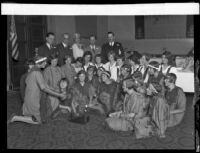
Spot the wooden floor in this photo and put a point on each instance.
(61, 134)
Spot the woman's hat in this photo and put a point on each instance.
(40, 59)
(101, 68)
(154, 65)
(107, 73)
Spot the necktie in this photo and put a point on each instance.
(118, 71)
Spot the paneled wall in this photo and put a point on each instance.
(124, 28)
(31, 33)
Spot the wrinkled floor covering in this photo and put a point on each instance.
(61, 134)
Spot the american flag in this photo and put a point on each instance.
(13, 39)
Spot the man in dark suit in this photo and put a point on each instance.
(64, 49)
(47, 49)
(111, 45)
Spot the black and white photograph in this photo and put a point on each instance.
(94, 77)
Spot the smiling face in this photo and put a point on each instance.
(68, 60)
(98, 60)
(92, 40)
(99, 72)
(164, 59)
(111, 38)
(111, 58)
(119, 61)
(87, 58)
(81, 77)
(66, 38)
(54, 62)
(63, 84)
(50, 39)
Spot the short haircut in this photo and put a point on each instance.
(134, 59)
(98, 55)
(93, 36)
(81, 72)
(169, 57)
(88, 53)
(52, 56)
(110, 32)
(172, 77)
(79, 59)
(49, 33)
(64, 79)
(66, 57)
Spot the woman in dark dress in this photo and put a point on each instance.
(107, 93)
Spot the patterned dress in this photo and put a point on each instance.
(33, 93)
(176, 100)
(52, 76)
(69, 72)
(133, 104)
(107, 96)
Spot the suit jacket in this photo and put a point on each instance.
(117, 48)
(97, 50)
(45, 51)
(62, 52)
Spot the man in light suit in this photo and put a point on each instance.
(48, 48)
(93, 48)
(64, 49)
(111, 45)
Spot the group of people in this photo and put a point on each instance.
(133, 93)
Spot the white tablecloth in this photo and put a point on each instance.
(185, 80)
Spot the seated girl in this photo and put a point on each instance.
(81, 94)
(133, 116)
(64, 89)
(91, 77)
(176, 100)
(155, 75)
(78, 64)
(159, 109)
(107, 93)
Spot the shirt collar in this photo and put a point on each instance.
(48, 45)
(111, 43)
(92, 46)
(64, 44)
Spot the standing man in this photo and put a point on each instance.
(111, 45)
(93, 48)
(47, 49)
(64, 49)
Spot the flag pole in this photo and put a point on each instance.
(9, 81)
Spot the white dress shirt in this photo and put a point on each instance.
(77, 52)
(113, 70)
